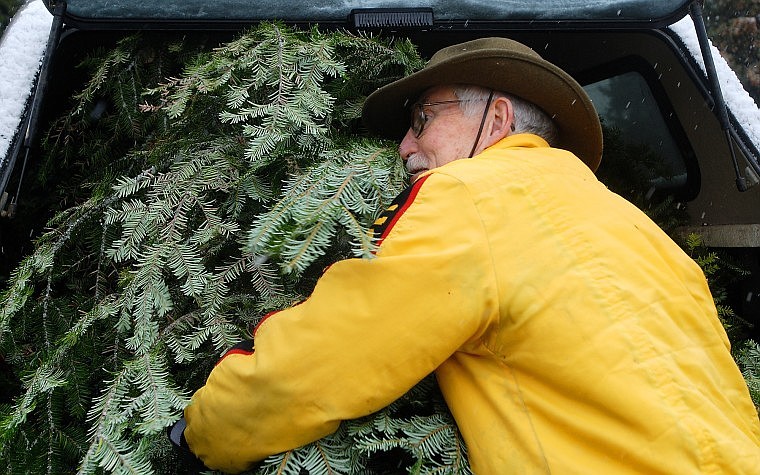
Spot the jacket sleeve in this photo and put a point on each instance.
(371, 330)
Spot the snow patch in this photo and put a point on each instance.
(21, 50)
(738, 100)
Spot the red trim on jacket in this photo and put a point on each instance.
(397, 208)
(245, 348)
(235, 351)
(263, 319)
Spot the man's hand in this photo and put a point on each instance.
(176, 435)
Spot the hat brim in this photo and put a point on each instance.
(527, 76)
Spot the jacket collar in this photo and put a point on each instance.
(519, 141)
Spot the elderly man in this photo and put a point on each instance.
(567, 332)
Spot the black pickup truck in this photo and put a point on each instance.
(657, 82)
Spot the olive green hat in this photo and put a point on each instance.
(500, 64)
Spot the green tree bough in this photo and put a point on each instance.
(211, 186)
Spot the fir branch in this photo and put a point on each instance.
(346, 188)
(108, 447)
(183, 337)
(110, 444)
(102, 75)
(748, 358)
(44, 380)
(326, 456)
(158, 401)
(41, 262)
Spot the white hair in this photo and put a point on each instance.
(529, 118)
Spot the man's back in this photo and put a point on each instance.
(600, 349)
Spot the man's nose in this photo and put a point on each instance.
(408, 145)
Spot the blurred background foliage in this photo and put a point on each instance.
(7, 9)
(733, 27)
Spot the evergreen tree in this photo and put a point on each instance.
(223, 199)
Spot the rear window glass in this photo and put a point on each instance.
(627, 106)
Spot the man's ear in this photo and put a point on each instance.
(501, 123)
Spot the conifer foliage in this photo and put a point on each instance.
(209, 197)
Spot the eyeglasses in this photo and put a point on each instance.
(419, 119)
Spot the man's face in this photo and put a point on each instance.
(448, 134)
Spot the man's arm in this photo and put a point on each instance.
(370, 331)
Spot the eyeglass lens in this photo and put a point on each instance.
(419, 119)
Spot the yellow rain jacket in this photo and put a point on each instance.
(567, 332)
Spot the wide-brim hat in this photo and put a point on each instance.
(500, 64)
